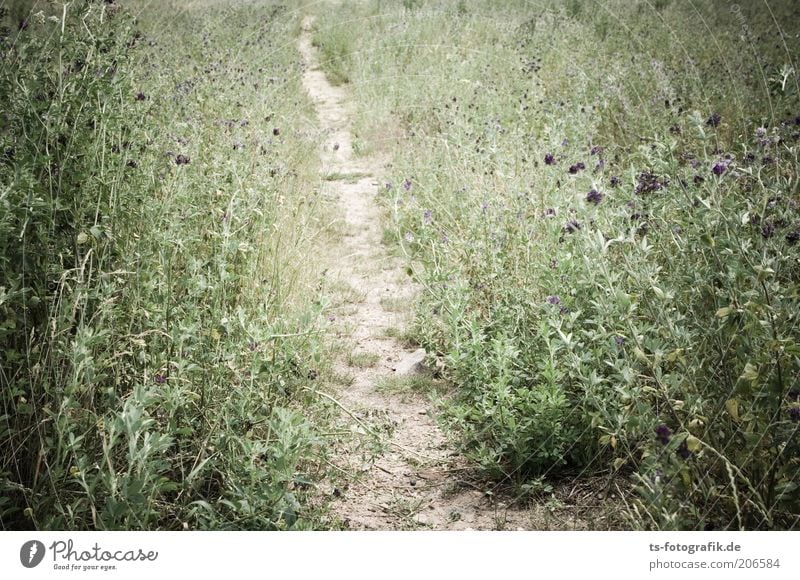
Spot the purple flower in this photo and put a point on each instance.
(140, 96)
(767, 230)
(794, 414)
(572, 226)
(182, 159)
(554, 300)
(713, 120)
(615, 181)
(160, 379)
(619, 340)
(427, 217)
(596, 150)
(388, 185)
(550, 212)
(793, 237)
(719, 167)
(683, 450)
(549, 159)
(648, 182)
(761, 132)
(594, 197)
(407, 184)
(663, 434)
(579, 166)
(793, 395)
(698, 179)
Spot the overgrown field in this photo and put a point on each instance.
(158, 320)
(601, 200)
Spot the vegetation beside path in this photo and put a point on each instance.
(601, 201)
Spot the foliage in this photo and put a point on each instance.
(604, 214)
(155, 328)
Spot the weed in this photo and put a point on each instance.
(363, 360)
(607, 234)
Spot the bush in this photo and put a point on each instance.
(155, 350)
(610, 275)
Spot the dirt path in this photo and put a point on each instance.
(406, 476)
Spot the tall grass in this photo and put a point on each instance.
(603, 211)
(158, 323)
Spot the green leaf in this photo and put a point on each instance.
(749, 374)
(732, 406)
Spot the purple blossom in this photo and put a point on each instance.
(594, 197)
(720, 167)
(615, 181)
(427, 217)
(572, 226)
(388, 186)
(767, 230)
(793, 237)
(648, 182)
(761, 132)
(550, 212)
(619, 340)
(554, 300)
(683, 450)
(596, 150)
(579, 166)
(794, 414)
(714, 120)
(407, 184)
(663, 434)
(793, 395)
(549, 159)
(160, 378)
(182, 159)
